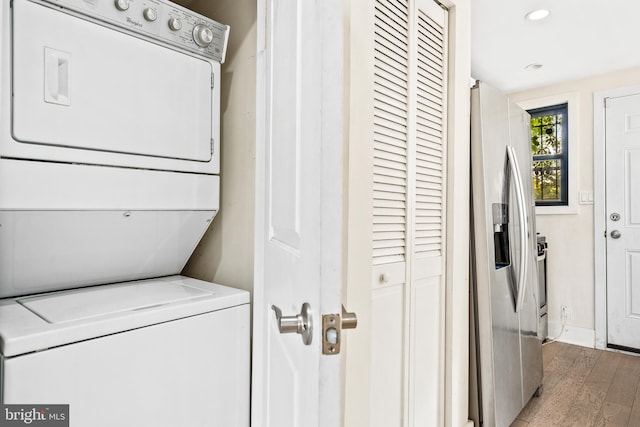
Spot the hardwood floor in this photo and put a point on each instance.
(585, 387)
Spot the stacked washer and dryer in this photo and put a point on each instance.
(109, 177)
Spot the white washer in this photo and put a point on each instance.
(109, 163)
(160, 353)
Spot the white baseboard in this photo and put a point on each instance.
(573, 334)
(468, 424)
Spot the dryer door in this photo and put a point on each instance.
(87, 93)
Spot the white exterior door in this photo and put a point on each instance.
(623, 220)
(298, 210)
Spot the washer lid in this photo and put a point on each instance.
(88, 303)
(29, 324)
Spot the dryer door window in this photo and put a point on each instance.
(81, 89)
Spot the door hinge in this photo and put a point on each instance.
(332, 326)
(212, 80)
(212, 147)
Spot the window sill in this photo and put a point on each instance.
(556, 210)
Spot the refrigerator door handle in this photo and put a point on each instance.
(524, 226)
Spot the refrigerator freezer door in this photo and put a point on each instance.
(497, 322)
(507, 347)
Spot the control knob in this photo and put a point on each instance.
(150, 14)
(122, 4)
(202, 35)
(175, 24)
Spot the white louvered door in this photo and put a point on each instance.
(407, 383)
(390, 210)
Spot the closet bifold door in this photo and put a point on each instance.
(390, 211)
(425, 274)
(407, 371)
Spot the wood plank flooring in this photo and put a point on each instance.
(585, 387)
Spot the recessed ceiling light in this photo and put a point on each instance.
(532, 67)
(536, 15)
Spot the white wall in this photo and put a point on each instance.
(570, 236)
(232, 228)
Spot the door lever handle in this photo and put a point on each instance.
(349, 320)
(298, 323)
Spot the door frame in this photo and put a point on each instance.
(599, 207)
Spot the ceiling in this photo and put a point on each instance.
(580, 38)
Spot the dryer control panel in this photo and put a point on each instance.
(159, 20)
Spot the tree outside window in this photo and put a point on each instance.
(549, 142)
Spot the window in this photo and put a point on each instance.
(549, 146)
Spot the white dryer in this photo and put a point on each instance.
(109, 177)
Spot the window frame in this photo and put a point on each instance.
(563, 157)
(524, 101)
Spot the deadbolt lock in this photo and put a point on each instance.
(332, 326)
(615, 216)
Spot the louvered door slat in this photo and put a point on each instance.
(394, 58)
(382, 227)
(389, 135)
(429, 138)
(388, 33)
(390, 146)
(391, 113)
(393, 11)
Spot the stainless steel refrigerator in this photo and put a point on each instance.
(506, 349)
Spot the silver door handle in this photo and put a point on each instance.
(524, 227)
(349, 320)
(615, 234)
(298, 323)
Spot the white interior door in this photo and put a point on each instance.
(298, 210)
(623, 220)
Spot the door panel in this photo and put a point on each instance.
(290, 368)
(633, 182)
(298, 250)
(633, 284)
(387, 358)
(428, 352)
(623, 198)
